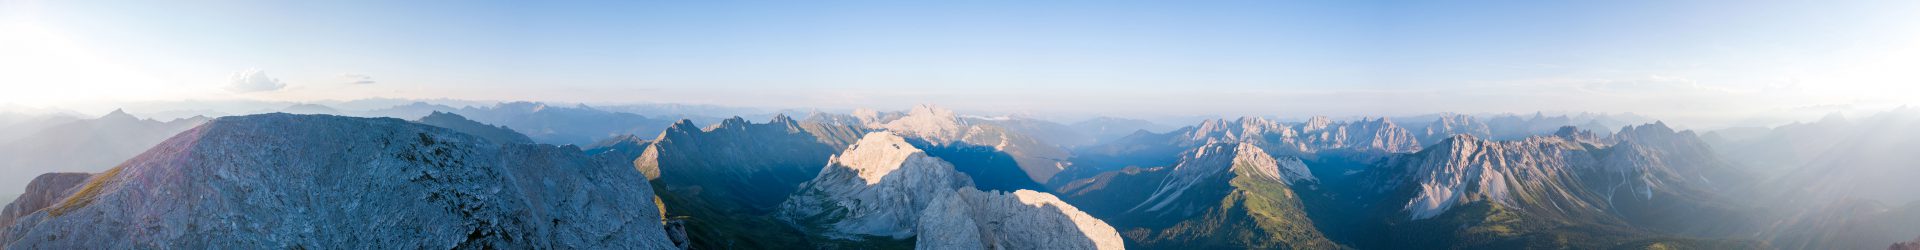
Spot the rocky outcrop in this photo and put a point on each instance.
(42, 192)
(1909, 245)
(877, 187)
(316, 181)
(884, 187)
(1024, 219)
(1536, 172)
(1485, 192)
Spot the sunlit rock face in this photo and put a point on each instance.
(329, 182)
(42, 192)
(1647, 177)
(1465, 169)
(1024, 219)
(1220, 195)
(1206, 170)
(942, 131)
(883, 186)
(876, 187)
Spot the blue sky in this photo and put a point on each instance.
(1689, 59)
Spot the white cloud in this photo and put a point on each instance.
(253, 81)
(357, 78)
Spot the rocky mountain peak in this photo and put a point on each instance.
(1251, 159)
(1657, 128)
(932, 123)
(1316, 123)
(883, 186)
(878, 154)
(1662, 138)
(881, 182)
(1022, 219)
(782, 118)
(1246, 128)
(1367, 134)
(1465, 169)
(1572, 133)
(684, 125)
(321, 181)
(735, 122)
(1212, 165)
(118, 115)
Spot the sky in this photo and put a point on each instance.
(1702, 61)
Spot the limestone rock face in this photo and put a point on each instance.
(1204, 168)
(329, 182)
(1024, 219)
(877, 187)
(1366, 134)
(42, 192)
(1219, 195)
(1466, 169)
(882, 186)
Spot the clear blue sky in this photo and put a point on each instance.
(1687, 58)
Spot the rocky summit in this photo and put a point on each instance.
(883, 188)
(330, 182)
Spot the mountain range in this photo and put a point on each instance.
(528, 175)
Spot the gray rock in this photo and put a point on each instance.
(42, 192)
(317, 181)
(882, 186)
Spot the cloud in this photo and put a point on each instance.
(357, 78)
(253, 80)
